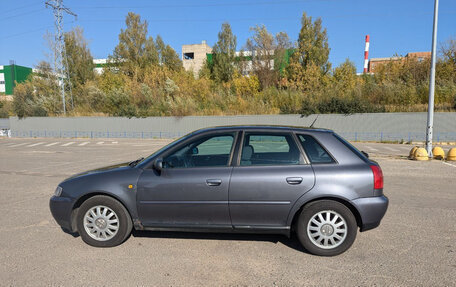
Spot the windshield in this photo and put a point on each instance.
(144, 161)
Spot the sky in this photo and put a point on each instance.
(394, 26)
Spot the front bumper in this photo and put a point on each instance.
(61, 208)
(371, 210)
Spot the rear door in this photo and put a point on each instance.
(270, 175)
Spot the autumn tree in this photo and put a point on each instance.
(224, 53)
(268, 54)
(344, 76)
(312, 51)
(167, 56)
(79, 60)
(281, 53)
(39, 95)
(135, 50)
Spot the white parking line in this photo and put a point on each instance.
(21, 144)
(10, 144)
(114, 142)
(390, 148)
(100, 142)
(449, 164)
(35, 144)
(51, 144)
(372, 149)
(83, 144)
(67, 144)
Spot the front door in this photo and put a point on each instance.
(192, 188)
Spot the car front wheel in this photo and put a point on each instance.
(103, 222)
(326, 228)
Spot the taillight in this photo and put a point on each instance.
(378, 176)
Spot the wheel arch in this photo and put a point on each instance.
(337, 199)
(83, 198)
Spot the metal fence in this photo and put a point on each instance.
(384, 127)
(96, 134)
(397, 137)
(352, 136)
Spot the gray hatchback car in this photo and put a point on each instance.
(260, 179)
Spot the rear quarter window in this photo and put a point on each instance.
(316, 153)
(351, 147)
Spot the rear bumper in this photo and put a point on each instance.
(371, 210)
(61, 211)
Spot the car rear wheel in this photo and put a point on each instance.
(326, 228)
(103, 222)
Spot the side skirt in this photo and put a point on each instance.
(283, 230)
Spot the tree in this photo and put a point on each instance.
(282, 52)
(135, 50)
(448, 51)
(345, 76)
(79, 60)
(39, 95)
(224, 52)
(312, 49)
(268, 54)
(167, 56)
(261, 46)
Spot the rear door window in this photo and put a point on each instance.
(269, 149)
(314, 150)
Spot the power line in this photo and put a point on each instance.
(22, 14)
(201, 5)
(30, 31)
(21, 7)
(179, 20)
(27, 32)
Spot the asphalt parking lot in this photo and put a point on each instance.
(414, 246)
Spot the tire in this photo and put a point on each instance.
(103, 222)
(322, 237)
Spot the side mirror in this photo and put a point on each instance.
(195, 151)
(158, 165)
(365, 154)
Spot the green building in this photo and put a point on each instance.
(11, 75)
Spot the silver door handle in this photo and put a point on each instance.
(213, 182)
(294, 180)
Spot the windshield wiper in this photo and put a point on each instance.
(135, 162)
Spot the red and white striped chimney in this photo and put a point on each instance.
(366, 54)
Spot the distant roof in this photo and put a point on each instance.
(385, 59)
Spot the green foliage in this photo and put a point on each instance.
(167, 56)
(265, 47)
(313, 47)
(146, 78)
(6, 109)
(39, 95)
(118, 104)
(135, 51)
(224, 55)
(79, 60)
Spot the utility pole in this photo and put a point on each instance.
(59, 49)
(430, 116)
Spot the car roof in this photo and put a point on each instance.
(263, 127)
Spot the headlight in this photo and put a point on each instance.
(58, 191)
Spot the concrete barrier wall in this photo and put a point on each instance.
(376, 126)
(4, 124)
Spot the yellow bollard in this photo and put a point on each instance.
(412, 152)
(451, 154)
(438, 153)
(421, 154)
